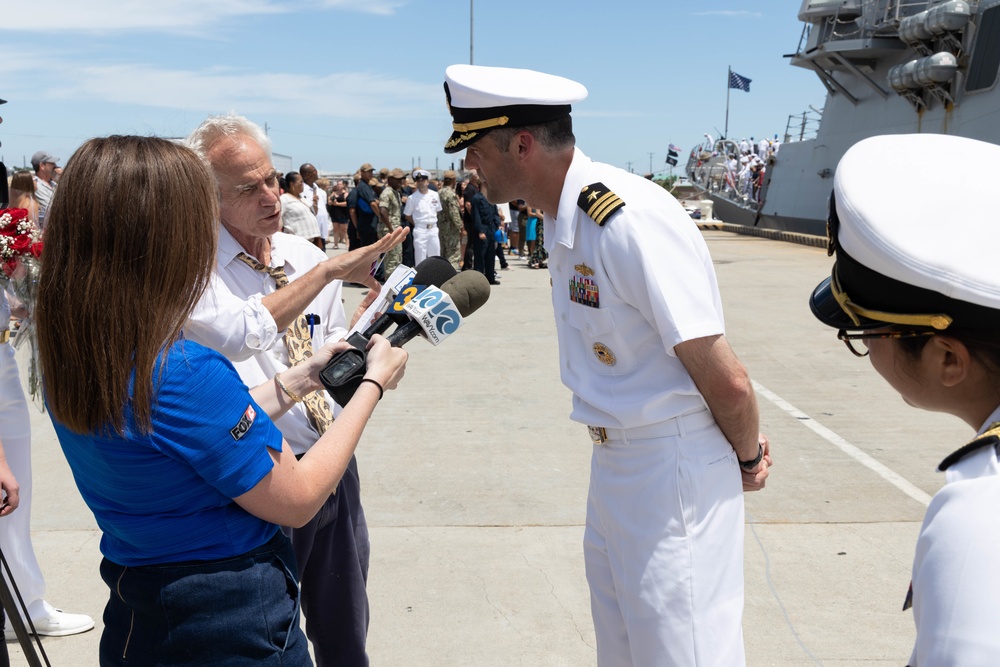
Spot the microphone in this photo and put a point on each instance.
(432, 271)
(342, 375)
(468, 290)
(436, 313)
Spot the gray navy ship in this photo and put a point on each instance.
(889, 67)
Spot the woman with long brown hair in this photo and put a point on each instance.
(22, 194)
(180, 463)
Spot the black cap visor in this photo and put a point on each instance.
(824, 305)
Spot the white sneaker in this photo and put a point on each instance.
(55, 623)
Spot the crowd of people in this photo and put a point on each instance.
(447, 216)
(744, 166)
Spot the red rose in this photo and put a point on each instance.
(36, 249)
(9, 266)
(21, 244)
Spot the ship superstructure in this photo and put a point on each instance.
(889, 67)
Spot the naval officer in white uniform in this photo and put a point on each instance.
(915, 288)
(670, 409)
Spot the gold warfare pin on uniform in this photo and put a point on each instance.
(584, 270)
(599, 202)
(604, 354)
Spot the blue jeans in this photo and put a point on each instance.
(230, 612)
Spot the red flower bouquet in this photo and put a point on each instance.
(20, 252)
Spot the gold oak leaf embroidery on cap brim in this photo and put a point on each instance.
(599, 202)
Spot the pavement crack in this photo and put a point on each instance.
(552, 592)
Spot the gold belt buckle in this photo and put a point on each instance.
(598, 434)
(4, 336)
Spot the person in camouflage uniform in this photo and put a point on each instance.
(390, 213)
(450, 221)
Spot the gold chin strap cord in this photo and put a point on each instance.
(481, 124)
(938, 321)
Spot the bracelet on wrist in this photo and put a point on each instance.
(288, 392)
(752, 463)
(381, 392)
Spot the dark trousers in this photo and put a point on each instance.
(485, 250)
(353, 240)
(408, 258)
(486, 257)
(233, 612)
(367, 230)
(499, 253)
(333, 552)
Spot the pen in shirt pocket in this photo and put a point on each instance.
(317, 337)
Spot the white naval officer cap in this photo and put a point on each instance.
(481, 99)
(421, 173)
(910, 250)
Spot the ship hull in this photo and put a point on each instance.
(735, 214)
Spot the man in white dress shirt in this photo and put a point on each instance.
(244, 315)
(670, 409)
(315, 198)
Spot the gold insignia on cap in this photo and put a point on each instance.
(599, 202)
(584, 270)
(459, 139)
(604, 354)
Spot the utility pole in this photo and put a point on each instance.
(650, 163)
(629, 163)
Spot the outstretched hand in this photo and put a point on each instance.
(356, 266)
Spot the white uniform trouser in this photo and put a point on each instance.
(15, 528)
(426, 243)
(663, 548)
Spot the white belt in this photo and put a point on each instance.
(4, 336)
(676, 426)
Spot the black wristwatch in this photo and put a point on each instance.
(752, 463)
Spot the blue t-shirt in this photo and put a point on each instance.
(166, 497)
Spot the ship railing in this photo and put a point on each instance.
(879, 18)
(718, 181)
(803, 126)
(890, 12)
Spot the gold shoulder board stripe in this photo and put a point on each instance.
(990, 436)
(599, 202)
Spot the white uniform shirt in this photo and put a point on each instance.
(956, 578)
(650, 284)
(423, 208)
(322, 215)
(230, 318)
(297, 218)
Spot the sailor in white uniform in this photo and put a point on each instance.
(915, 287)
(670, 409)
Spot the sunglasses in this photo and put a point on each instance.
(869, 335)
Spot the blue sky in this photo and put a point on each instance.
(341, 83)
